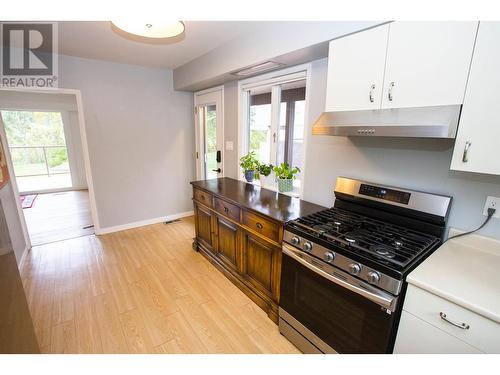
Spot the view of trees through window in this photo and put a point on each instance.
(211, 140)
(283, 141)
(37, 143)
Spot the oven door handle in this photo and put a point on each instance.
(383, 300)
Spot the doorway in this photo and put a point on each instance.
(43, 134)
(209, 132)
(37, 145)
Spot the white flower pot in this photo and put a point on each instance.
(268, 182)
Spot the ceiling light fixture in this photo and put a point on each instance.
(160, 29)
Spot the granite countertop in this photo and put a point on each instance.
(465, 271)
(279, 207)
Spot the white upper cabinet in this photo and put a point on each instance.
(356, 70)
(427, 63)
(401, 64)
(477, 147)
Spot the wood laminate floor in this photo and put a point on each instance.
(141, 291)
(59, 216)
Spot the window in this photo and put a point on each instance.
(259, 125)
(274, 119)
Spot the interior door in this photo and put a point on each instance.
(427, 63)
(356, 70)
(209, 133)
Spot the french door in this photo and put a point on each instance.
(209, 133)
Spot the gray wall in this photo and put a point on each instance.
(412, 163)
(141, 138)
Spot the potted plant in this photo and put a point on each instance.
(249, 164)
(265, 175)
(285, 176)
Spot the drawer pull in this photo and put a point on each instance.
(202, 197)
(259, 225)
(458, 325)
(465, 156)
(226, 210)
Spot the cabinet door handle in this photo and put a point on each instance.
(465, 156)
(372, 99)
(459, 325)
(259, 225)
(389, 94)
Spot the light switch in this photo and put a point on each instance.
(229, 145)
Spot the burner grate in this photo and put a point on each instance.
(387, 243)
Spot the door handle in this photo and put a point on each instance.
(465, 156)
(383, 299)
(372, 99)
(389, 94)
(218, 170)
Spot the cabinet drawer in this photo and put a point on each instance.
(203, 197)
(482, 333)
(418, 337)
(227, 209)
(261, 225)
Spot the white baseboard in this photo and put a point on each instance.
(143, 223)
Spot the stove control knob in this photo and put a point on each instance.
(373, 277)
(308, 246)
(329, 256)
(295, 240)
(354, 268)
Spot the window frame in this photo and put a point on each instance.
(274, 80)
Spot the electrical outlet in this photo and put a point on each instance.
(492, 202)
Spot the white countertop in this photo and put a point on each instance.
(465, 271)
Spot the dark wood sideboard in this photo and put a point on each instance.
(239, 229)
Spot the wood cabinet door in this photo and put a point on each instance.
(203, 224)
(227, 242)
(261, 264)
(427, 63)
(478, 139)
(356, 70)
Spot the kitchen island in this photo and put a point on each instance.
(239, 229)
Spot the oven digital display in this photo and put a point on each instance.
(397, 196)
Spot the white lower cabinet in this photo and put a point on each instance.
(416, 336)
(431, 324)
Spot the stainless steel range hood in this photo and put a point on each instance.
(419, 122)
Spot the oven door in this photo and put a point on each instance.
(345, 313)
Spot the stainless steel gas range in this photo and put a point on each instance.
(343, 269)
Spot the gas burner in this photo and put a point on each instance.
(398, 243)
(383, 251)
(376, 239)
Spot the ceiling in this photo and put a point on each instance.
(98, 40)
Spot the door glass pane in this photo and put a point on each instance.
(260, 125)
(291, 126)
(38, 148)
(210, 120)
